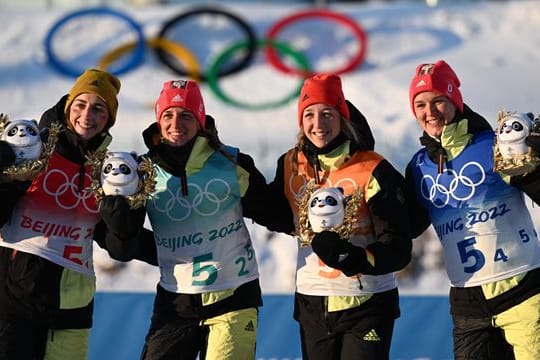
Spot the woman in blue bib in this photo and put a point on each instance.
(491, 249)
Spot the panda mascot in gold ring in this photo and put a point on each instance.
(24, 138)
(119, 174)
(512, 155)
(326, 209)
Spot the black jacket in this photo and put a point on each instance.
(392, 250)
(127, 245)
(529, 183)
(470, 301)
(68, 145)
(419, 217)
(124, 245)
(30, 283)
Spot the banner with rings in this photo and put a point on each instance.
(232, 42)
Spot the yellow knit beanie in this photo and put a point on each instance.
(100, 83)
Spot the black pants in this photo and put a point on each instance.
(364, 332)
(174, 340)
(22, 340)
(29, 305)
(175, 332)
(476, 338)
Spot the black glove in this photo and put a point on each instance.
(340, 254)
(533, 140)
(7, 156)
(123, 221)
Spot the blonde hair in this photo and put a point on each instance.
(348, 129)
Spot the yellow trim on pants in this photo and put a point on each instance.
(76, 290)
(69, 344)
(232, 335)
(521, 326)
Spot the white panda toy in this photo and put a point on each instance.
(24, 138)
(119, 174)
(511, 133)
(326, 209)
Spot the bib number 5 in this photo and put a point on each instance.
(465, 253)
(203, 274)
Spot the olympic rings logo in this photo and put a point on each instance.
(344, 183)
(66, 193)
(452, 185)
(205, 202)
(170, 46)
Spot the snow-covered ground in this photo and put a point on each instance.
(493, 46)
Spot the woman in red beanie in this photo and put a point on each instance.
(208, 295)
(47, 280)
(491, 249)
(346, 299)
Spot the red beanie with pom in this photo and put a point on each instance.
(436, 77)
(181, 93)
(322, 89)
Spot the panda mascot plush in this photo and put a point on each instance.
(24, 138)
(512, 155)
(326, 209)
(119, 174)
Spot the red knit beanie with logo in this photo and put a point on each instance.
(436, 77)
(322, 89)
(181, 93)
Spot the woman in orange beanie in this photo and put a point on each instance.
(490, 245)
(47, 280)
(346, 299)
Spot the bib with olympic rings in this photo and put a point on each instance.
(313, 277)
(55, 219)
(201, 239)
(483, 223)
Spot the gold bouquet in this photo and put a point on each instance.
(511, 154)
(29, 169)
(146, 175)
(345, 230)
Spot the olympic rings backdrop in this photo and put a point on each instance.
(234, 39)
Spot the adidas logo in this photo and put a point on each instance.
(371, 336)
(421, 83)
(177, 98)
(250, 327)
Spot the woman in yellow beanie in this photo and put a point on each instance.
(47, 280)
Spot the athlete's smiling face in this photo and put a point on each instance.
(321, 124)
(178, 126)
(433, 111)
(88, 115)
